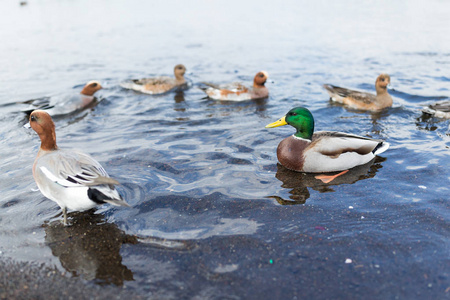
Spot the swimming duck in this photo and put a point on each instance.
(158, 85)
(238, 92)
(74, 180)
(67, 103)
(439, 110)
(362, 100)
(322, 151)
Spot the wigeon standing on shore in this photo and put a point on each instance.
(67, 103)
(362, 100)
(71, 178)
(238, 92)
(158, 85)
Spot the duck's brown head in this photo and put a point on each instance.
(382, 82)
(91, 87)
(179, 71)
(42, 123)
(260, 79)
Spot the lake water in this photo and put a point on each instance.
(213, 216)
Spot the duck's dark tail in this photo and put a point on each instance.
(380, 148)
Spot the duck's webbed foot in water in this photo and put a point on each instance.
(329, 178)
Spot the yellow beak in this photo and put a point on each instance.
(280, 122)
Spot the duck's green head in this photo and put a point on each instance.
(300, 118)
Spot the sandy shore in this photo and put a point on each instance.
(20, 280)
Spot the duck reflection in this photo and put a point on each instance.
(90, 248)
(429, 122)
(300, 182)
(179, 96)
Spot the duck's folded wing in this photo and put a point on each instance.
(347, 93)
(441, 106)
(153, 81)
(151, 86)
(74, 169)
(234, 86)
(38, 103)
(334, 144)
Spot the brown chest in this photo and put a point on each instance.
(290, 153)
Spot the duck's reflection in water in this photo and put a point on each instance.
(179, 96)
(90, 248)
(300, 182)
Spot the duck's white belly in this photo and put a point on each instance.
(73, 198)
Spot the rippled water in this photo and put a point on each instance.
(213, 216)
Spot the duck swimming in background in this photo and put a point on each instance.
(65, 104)
(238, 92)
(158, 85)
(71, 178)
(362, 100)
(439, 110)
(323, 151)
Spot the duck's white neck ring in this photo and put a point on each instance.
(302, 139)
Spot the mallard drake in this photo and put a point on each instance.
(362, 100)
(158, 85)
(322, 151)
(238, 92)
(63, 104)
(439, 110)
(73, 179)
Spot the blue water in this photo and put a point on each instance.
(213, 216)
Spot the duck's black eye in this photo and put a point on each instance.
(33, 118)
(94, 84)
(382, 79)
(293, 113)
(261, 75)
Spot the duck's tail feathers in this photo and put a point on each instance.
(329, 87)
(380, 148)
(129, 84)
(206, 85)
(105, 194)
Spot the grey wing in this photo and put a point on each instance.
(344, 93)
(153, 81)
(57, 105)
(215, 86)
(334, 143)
(38, 103)
(319, 134)
(74, 169)
(441, 106)
(234, 86)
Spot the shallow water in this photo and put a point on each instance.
(213, 216)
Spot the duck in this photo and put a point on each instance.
(158, 85)
(237, 91)
(439, 109)
(65, 104)
(71, 178)
(323, 151)
(362, 100)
